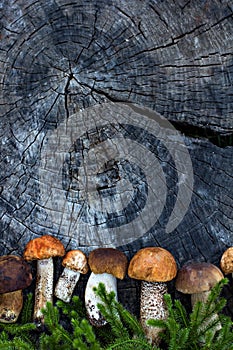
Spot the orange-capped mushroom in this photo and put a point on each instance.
(43, 249)
(154, 266)
(226, 262)
(75, 263)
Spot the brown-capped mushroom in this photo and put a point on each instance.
(226, 262)
(15, 275)
(197, 279)
(75, 263)
(106, 264)
(154, 266)
(43, 249)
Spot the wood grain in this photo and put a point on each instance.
(174, 57)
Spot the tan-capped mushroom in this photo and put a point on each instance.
(15, 275)
(75, 263)
(43, 249)
(154, 266)
(106, 264)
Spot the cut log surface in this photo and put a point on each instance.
(59, 61)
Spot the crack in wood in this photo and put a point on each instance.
(57, 57)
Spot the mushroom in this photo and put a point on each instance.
(197, 279)
(15, 275)
(226, 262)
(43, 249)
(153, 266)
(75, 263)
(106, 265)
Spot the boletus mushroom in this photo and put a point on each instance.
(197, 279)
(106, 264)
(43, 249)
(75, 263)
(15, 275)
(154, 266)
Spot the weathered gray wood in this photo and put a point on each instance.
(175, 57)
(57, 57)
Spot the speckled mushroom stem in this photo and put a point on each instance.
(91, 299)
(44, 288)
(66, 284)
(152, 306)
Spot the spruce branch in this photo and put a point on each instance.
(75, 309)
(108, 309)
(52, 322)
(27, 311)
(80, 334)
(123, 324)
(199, 330)
(180, 313)
(67, 327)
(16, 344)
(17, 329)
(18, 335)
(126, 329)
(133, 344)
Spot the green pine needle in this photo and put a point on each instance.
(66, 326)
(205, 328)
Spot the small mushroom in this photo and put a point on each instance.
(226, 262)
(197, 279)
(15, 275)
(75, 263)
(154, 266)
(43, 249)
(106, 265)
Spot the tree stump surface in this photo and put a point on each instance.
(59, 61)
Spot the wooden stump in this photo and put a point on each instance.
(60, 60)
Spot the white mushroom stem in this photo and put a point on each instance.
(152, 306)
(44, 288)
(10, 306)
(203, 297)
(66, 284)
(91, 299)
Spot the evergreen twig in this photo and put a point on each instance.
(17, 336)
(198, 330)
(201, 329)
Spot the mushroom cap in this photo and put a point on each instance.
(43, 247)
(226, 262)
(108, 260)
(153, 264)
(76, 260)
(197, 277)
(15, 273)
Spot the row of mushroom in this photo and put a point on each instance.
(154, 266)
